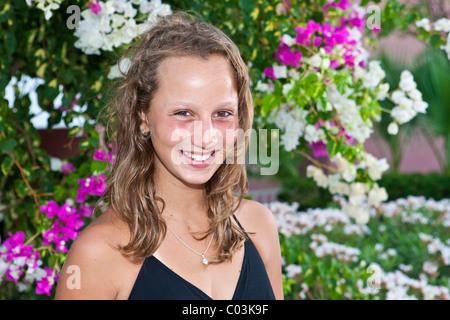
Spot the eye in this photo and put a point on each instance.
(224, 114)
(182, 113)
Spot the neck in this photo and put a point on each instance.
(183, 201)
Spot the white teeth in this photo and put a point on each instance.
(198, 158)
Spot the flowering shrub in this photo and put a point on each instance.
(403, 252)
(111, 24)
(322, 93)
(320, 89)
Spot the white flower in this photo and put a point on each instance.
(129, 11)
(377, 195)
(114, 25)
(47, 6)
(287, 39)
(312, 134)
(294, 74)
(392, 128)
(420, 106)
(124, 66)
(404, 112)
(447, 47)
(430, 268)
(315, 61)
(286, 88)
(397, 96)
(442, 24)
(261, 86)
(405, 267)
(317, 174)
(335, 186)
(345, 168)
(293, 270)
(360, 214)
(280, 72)
(357, 193)
(407, 82)
(325, 63)
(383, 89)
(55, 164)
(375, 75)
(290, 139)
(424, 23)
(415, 94)
(375, 166)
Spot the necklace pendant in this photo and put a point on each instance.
(205, 261)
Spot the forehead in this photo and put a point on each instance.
(196, 79)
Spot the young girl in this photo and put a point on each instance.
(174, 227)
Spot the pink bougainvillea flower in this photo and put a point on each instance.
(91, 185)
(95, 7)
(319, 149)
(334, 63)
(67, 222)
(51, 209)
(85, 211)
(317, 41)
(343, 5)
(45, 285)
(268, 72)
(288, 56)
(67, 168)
(376, 29)
(101, 155)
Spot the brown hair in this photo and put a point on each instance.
(130, 189)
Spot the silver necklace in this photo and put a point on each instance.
(205, 261)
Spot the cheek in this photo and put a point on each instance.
(228, 131)
(168, 134)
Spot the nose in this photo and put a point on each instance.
(205, 134)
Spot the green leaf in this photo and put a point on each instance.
(333, 147)
(98, 166)
(72, 132)
(59, 193)
(8, 145)
(4, 13)
(6, 164)
(20, 187)
(365, 113)
(52, 261)
(84, 145)
(269, 102)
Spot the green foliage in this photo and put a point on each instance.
(393, 240)
(398, 185)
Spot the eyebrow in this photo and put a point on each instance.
(191, 105)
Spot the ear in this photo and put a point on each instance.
(144, 122)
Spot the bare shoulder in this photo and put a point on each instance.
(256, 217)
(259, 222)
(87, 271)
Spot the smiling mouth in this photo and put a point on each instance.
(198, 157)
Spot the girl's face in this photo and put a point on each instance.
(193, 116)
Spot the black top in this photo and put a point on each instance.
(156, 281)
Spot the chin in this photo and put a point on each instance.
(195, 175)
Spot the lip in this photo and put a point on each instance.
(198, 164)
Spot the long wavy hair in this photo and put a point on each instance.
(130, 191)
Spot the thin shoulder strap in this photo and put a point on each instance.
(240, 226)
(235, 219)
